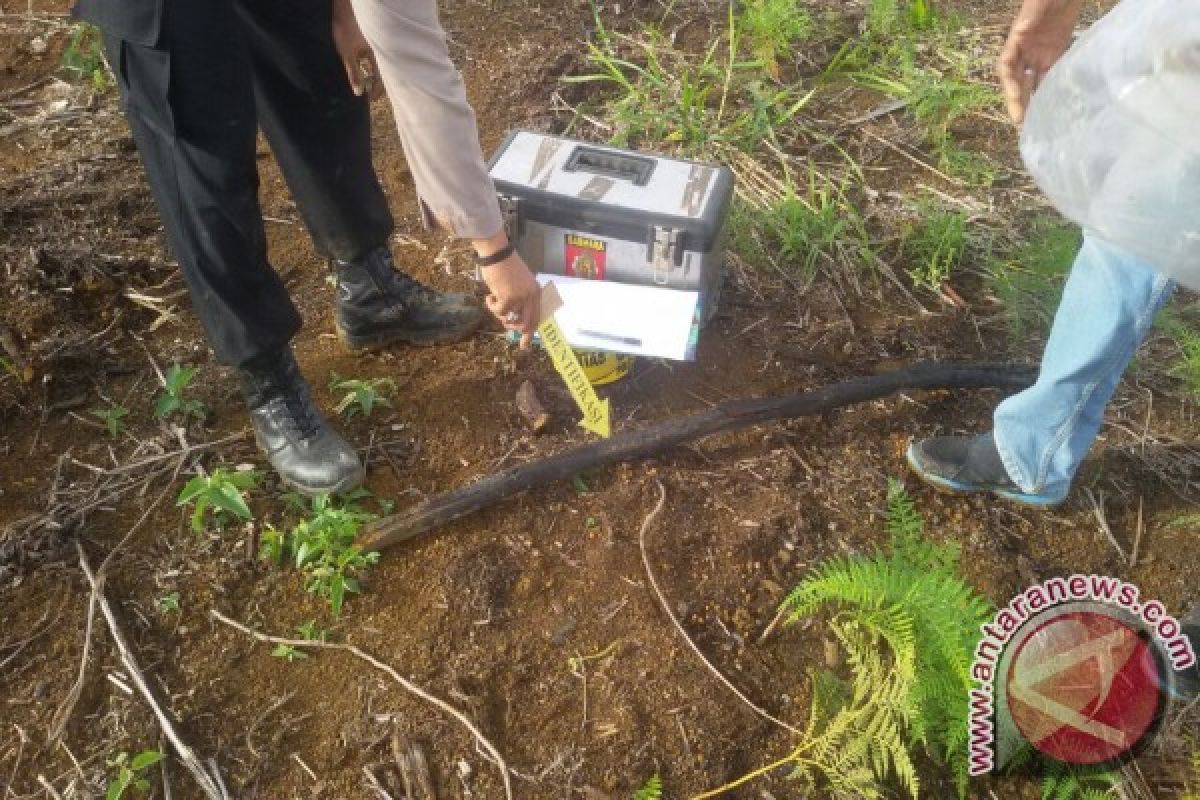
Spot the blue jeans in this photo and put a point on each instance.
(1107, 308)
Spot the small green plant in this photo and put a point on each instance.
(651, 790)
(220, 495)
(1187, 365)
(322, 547)
(362, 395)
(310, 632)
(908, 625)
(173, 399)
(83, 57)
(289, 653)
(130, 773)
(935, 245)
(1029, 281)
(973, 168)
(772, 27)
(112, 418)
(169, 603)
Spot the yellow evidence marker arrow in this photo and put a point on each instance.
(595, 411)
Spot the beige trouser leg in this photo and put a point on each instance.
(437, 126)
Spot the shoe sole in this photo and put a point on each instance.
(376, 341)
(954, 487)
(346, 484)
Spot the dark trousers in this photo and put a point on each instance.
(222, 69)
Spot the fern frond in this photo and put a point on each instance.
(651, 789)
(1065, 782)
(908, 625)
(907, 529)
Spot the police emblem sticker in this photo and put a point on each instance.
(585, 257)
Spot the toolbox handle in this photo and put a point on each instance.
(622, 166)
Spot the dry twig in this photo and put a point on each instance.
(59, 722)
(1137, 535)
(411, 687)
(209, 783)
(666, 607)
(1102, 520)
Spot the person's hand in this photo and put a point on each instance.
(355, 52)
(514, 296)
(1040, 35)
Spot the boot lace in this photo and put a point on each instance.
(301, 416)
(409, 289)
(400, 285)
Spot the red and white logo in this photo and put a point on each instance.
(1084, 687)
(1080, 668)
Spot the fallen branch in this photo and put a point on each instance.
(631, 445)
(666, 607)
(210, 784)
(183, 452)
(358, 652)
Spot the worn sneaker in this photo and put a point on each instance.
(308, 454)
(378, 305)
(970, 464)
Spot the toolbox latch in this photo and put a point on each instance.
(664, 253)
(510, 215)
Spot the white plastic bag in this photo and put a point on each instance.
(1112, 136)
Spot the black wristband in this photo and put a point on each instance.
(495, 258)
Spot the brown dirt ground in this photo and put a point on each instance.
(488, 612)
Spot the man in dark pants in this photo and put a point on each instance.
(197, 80)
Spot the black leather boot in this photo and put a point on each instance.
(308, 454)
(378, 305)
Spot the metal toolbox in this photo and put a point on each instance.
(599, 212)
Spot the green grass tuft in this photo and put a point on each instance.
(772, 28)
(1183, 331)
(1029, 280)
(804, 229)
(702, 105)
(935, 245)
(909, 52)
